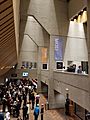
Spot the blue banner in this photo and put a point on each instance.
(58, 49)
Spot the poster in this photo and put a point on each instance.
(44, 55)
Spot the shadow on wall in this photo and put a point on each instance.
(24, 5)
(61, 13)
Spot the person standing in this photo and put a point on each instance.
(67, 105)
(1, 115)
(33, 100)
(79, 69)
(37, 99)
(36, 112)
(4, 103)
(25, 98)
(28, 112)
(42, 111)
(25, 109)
(7, 115)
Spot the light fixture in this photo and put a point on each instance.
(75, 18)
(67, 93)
(13, 66)
(67, 89)
(81, 10)
(81, 17)
(2, 67)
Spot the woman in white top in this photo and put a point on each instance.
(7, 115)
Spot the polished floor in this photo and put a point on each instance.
(56, 114)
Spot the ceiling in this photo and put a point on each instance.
(8, 55)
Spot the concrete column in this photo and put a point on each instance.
(88, 25)
(51, 99)
(39, 69)
(88, 40)
(88, 33)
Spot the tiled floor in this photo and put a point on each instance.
(57, 114)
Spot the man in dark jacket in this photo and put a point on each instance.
(42, 111)
(1, 115)
(25, 109)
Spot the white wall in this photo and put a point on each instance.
(76, 47)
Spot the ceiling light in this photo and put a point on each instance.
(2, 67)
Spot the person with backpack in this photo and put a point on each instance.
(36, 112)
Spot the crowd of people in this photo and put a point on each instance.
(17, 95)
(73, 68)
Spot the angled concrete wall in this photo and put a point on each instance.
(48, 13)
(75, 6)
(34, 36)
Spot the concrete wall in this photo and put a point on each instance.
(78, 86)
(45, 76)
(48, 13)
(28, 51)
(31, 74)
(34, 36)
(88, 37)
(53, 16)
(75, 6)
(59, 100)
(33, 39)
(60, 81)
(35, 31)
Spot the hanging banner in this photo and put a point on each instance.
(58, 49)
(44, 55)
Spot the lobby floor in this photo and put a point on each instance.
(56, 114)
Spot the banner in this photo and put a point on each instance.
(44, 55)
(58, 49)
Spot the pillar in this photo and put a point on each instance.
(39, 70)
(51, 81)
(88, 41)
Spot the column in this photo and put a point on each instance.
(88, 41)
(51, 81)
(39, 70)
